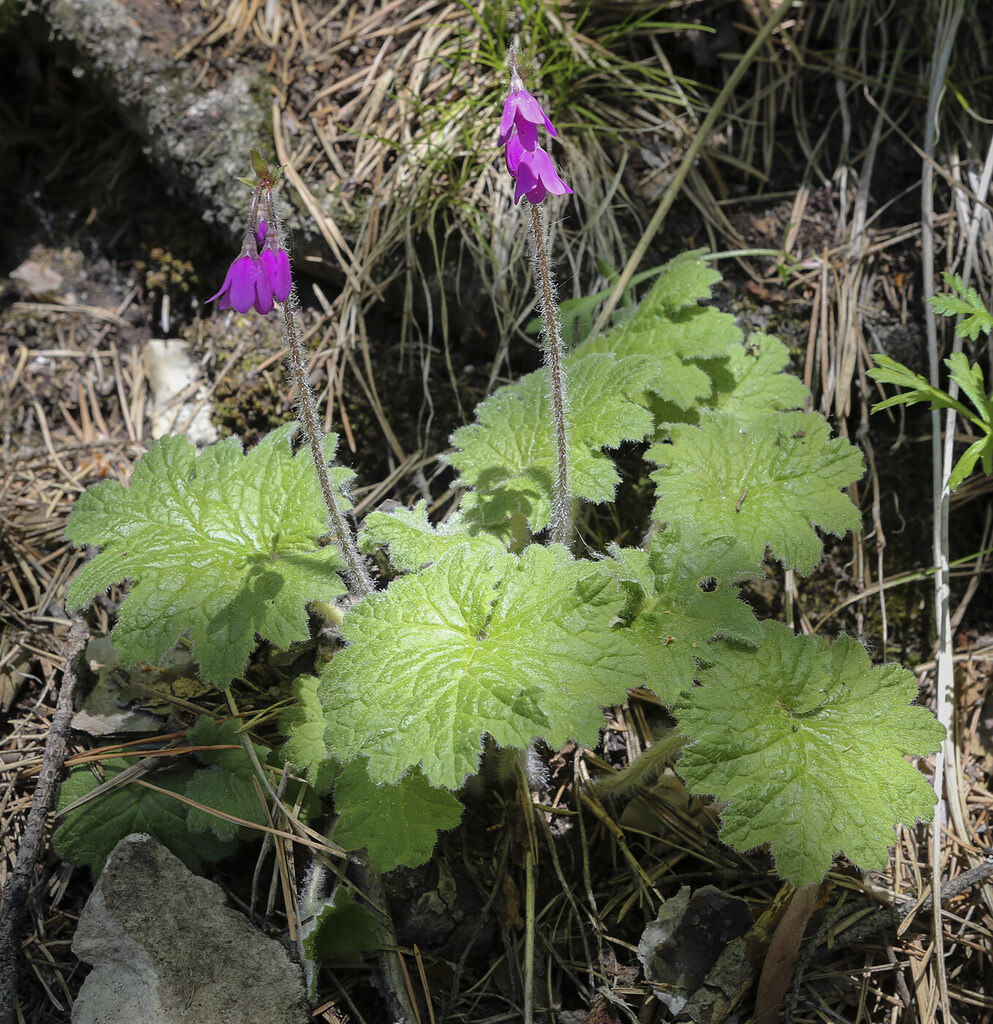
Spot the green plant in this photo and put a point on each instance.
(485, 631)
(963, 302)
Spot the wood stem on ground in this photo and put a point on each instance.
(17, 887)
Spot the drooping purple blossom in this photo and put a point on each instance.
(522, 113)
(277, 265)
(246, 286)
(531, 167)
(536, 177)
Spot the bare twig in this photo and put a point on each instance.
(15, 892)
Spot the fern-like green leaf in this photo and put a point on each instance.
(963, 302)
(914, 387)
(807, 743)
(765, 483)
(397, 824)
(481, 642)
(221, 544)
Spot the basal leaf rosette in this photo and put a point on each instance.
(224, 545)
(806, 742)
(766, 483)
(483, 642)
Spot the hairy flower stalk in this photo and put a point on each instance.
(548, 311)
(258, 280)
(357, 573)
(535, 177)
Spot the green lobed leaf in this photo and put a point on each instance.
(681, 594)
(481, 642)
(397, 824)
(746, 382)
(91, 831)
(508, 455)
(305, 749)
(228, 784)
(807, 741)
(764, 483)
(339, 930)
(222, 544)
(669, 332)
(412, 540)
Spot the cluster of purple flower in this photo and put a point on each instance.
(528, 163)
(256, 278)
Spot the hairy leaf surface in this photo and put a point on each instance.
(222, 544)
(481, 642)
(412, 540)
(305, 749)
(807, 741)
(227, 784)
(508, 456)
(397, 824)
(91, 831)
(669, 333)
(764, 483)
(682, 593)
(747, 382)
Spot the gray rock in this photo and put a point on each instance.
(166, 950)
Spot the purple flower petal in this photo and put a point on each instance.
(527, 133)
(527, 179)
(252, 284)
(263, 289)
(277, 265)
(260, 232)
(507, 121)
(246, 286)
(537, 177)
(548, 175)
(513, 153)
(523, 112)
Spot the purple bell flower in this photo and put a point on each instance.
(246, 285)
(277, 265)
(521, 111)
(535, 173)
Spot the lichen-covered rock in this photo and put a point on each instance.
(165, 949)
(200, 138)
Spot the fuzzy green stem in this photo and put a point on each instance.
(360, 582)
(549, 312)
